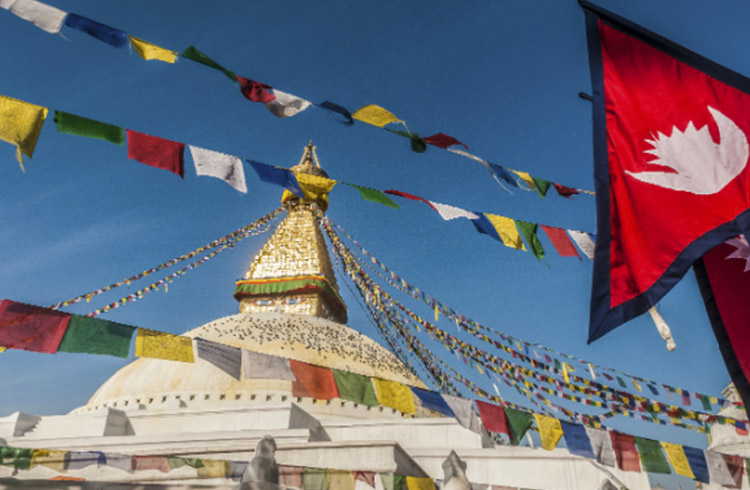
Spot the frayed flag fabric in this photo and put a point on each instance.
(659, 208)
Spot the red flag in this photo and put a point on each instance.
(625, 451)
(157, 152)
(31, 328)
(313, 381)
(670, 156)
(565, 191)
(561, 242)
(409, 196)
(724, 278)
(443, 141)
(255, 91)
(493, 417)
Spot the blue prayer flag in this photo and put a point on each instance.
(278, 176)
(577, 440)
(697, 461)
(433, 401)
(109, 35)
(339, 109)
(483, 225)
(503, 174)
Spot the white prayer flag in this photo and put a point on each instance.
(6, 4)
(286, 105)
(718, 472)
(448, 212)
(45, 17)
(584, 242)
(220, 165)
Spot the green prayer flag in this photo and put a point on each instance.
(19, 458)
(519, 422)
(557, 365)
(81, 126)
(393, 482)
(706, 403)
(542, 186)
(652, 457)
(96, 336)
(374, 195)
(529, 233)
(417, 143)
(177, 462)
(314, 479)
(192, 53)
(355, 387)
(622, 383)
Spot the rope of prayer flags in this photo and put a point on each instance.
(280, 104)
(476, 329)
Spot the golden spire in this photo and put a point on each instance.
(292, 273)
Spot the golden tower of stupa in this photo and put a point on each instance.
(292, 273)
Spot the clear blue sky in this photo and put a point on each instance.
(501, 76)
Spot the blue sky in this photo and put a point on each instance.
(501, 76)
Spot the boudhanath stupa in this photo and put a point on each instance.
(289, 306)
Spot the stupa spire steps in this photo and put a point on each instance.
(293, 273)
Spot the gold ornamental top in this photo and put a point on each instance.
(292, 273)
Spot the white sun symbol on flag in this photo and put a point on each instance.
(742, 250)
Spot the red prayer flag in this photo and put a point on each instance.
(625, 451)
(141, 463)
(493, 417)
(735, 465)
(409, 196)
(443, 141)
(565, 191)
(366, 477)
(670, 153)
(313, 381)
(561, 242)
(31, 328)
(255, 91)
(157, 152)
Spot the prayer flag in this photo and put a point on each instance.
(520, 422)
(20, 125)
(255, 91)
(156, 152)
(237, 469)
(263, 366)
(314, 479)
(286, 105)
(367, 477)
(464, 410)
(652, 457)
(506, 230)
(82, 126)
(31, 328)
(149, 51)
(192, 53)
(678, 459)
(433, 400)
(395, 395)
(660, 208)
(374, 196)
(313, 381)
(601, 443)
(526, 177)
(110, 35)
(45, 17)
(392, 482)
(529, 233)
(417, 483)
(565, 191)
(177, 462)
(160, 345)
(405, 195)
(697, 461)
(290, 476)
(375, 115)
(213, 468)
(493, 417)
(560, 241)
(734, 466)
(448, 212)
(51, 458)
(355, 387)
(96, 336)
(19, 458)
(724, 279)
(6, 4)
(340, 480)
(625, 451)
(220, 165)
(276, 175)
(224, 357)
(76, 460)
(123, 462)
(501, 172)
(718, 473)
(541, 186)
(143, 463)
(338, 109)
(442, 141)
(577, 439)
(584, 242)
(550, 430)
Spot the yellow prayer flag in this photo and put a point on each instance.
(436, 314)
(340, 480)
(20, 125)
(213, 468)
(375, 115)
(3, 349)
(636, 384)
(507, 230)
(52, 459)
(526, 178)
(395, 395)
(160, 345)
(550, 430)
(416, 483)
(149, 51)
(566, 369)
(677, 457)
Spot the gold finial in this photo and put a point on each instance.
(317, 184)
